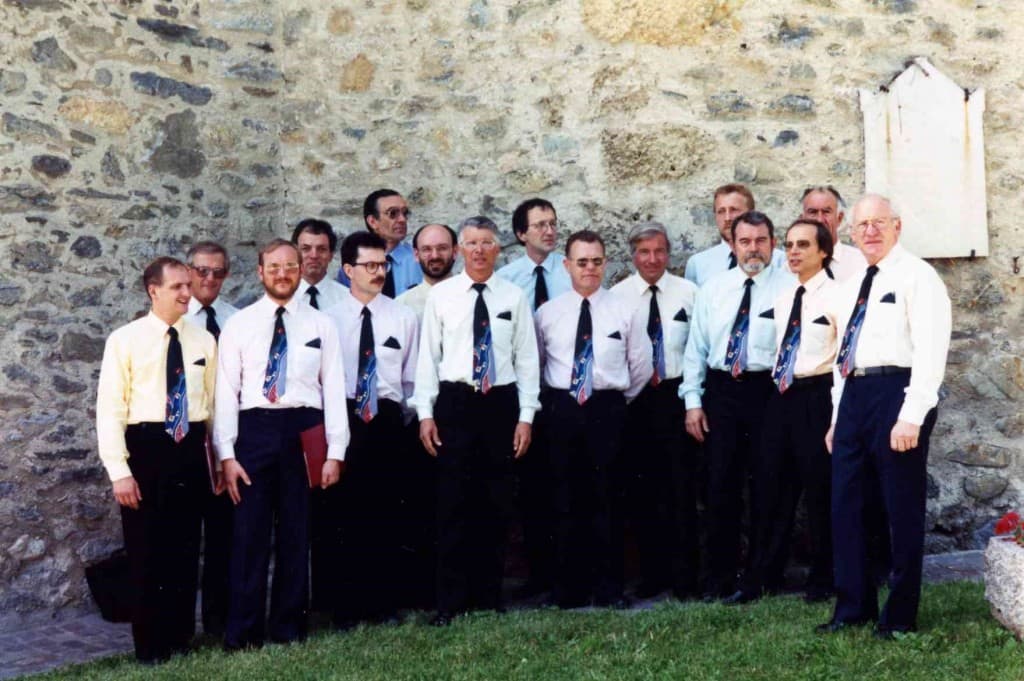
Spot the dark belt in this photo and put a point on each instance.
(887, 370)
(160, 426)
(667, 384)
(460, 387)
(745, 376)
(811, 381)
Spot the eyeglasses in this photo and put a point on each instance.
(879, 224)
(583, 262)
(544, 225)
(799, 244)
(275, 269)
(482, 245)
(215, 272)
(393, 213)
(374, 266)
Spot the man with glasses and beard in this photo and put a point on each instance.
(727, 379)
(279, 374)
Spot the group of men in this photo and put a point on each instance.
(531, 386)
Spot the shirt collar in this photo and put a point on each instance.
(467, 281)
(891, 258)
(641, 285)
(594, 297)
(271, 306)
(161, 325)
(358, 305)
(815, 282)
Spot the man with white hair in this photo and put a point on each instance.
(894, 325)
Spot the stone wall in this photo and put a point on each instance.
(130, 129)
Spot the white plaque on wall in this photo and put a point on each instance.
(923, 148)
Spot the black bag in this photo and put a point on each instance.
(108, 582)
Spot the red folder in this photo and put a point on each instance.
(314, 451)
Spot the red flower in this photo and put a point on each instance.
(1008, 523)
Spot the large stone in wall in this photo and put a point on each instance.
(668, 153)
(1004, 583)
(179, 152)
(109, 116)
(681, 22)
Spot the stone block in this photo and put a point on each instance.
(28, 129)
(150, 83)
(179, 152)
(51, 166)
(985, 487)
(1004, 583)
(340, 21)
(47, 53)
(984, 455)
(655, 22)
(12, 82)
(80, 346)
(21, 198)
(109, 116)
(669, 153)
(357, 75)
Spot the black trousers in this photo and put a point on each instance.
(583, 451)
(474, 493)
(868, 410)
(533, 475)
(419, 528)
(217, 514)
(368, 561)
(162, 536)
(735, 411)
(793, 461)
(277, 503)
(659, 460)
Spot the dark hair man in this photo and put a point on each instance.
(154, 398)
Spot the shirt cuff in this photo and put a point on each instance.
(693, 400)
(424, 413)
(913, 411)
(526, 414)
(117, 469)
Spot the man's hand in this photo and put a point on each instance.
(696, 423)
(903, 436)
(218, 484)
(521, 438)
(233, 472)
(127, 493)
(828, 438)
(330, 473)
(429, 437)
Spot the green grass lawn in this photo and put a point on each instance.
(772, 639)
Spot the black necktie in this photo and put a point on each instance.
(656, 333)
(176, 416)
(484, 371)
(732, 260)
(540, 293)
(389, 278)
(312, 297)
(848, 350)
(582, 379)
(211, 322)
(786, 362)
(736, 350)
(366, 377)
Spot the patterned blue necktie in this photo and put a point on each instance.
(176, 415)
(736, 350)
(277, 361)
(366, 382)
(848, 350)
(483, 348)
(582, 386)
(656, 333)
(786, 362)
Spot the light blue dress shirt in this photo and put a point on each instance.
(520, 272)
(713, 315)
(711, 261)
(406, 269)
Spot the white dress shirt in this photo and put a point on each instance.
(622, 350)
(222, 312)
(328, 293)
(704, 265)
(676, 297)
(907, 323)
(395, 341)
(446, 342)
(416, 299)
(314, 375)
(817, 351)
(847, 261)
(714, 313)
(521, 273)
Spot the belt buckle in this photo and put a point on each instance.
(860, 372)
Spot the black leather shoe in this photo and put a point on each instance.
(741, 597)
(835, 626)
(648, 590)
(442, 619)
(618, 603)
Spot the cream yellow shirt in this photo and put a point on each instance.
(133, 382)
